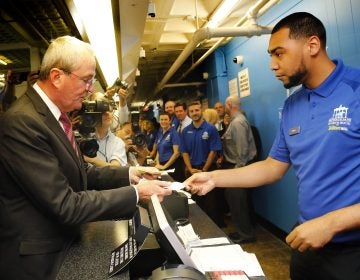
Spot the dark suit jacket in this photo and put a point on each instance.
(46, 193)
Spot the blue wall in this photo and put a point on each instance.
(278, 203)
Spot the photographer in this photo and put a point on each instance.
(136, 154)
(46, 192)
(118, 93)
(111, 149)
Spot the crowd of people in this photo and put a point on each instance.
(42, 210)
(187, 138)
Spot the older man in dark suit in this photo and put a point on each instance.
(46, 193)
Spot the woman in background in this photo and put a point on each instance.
(167, 145)
(150, 132)
(211, 116)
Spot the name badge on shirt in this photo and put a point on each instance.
(294, 130)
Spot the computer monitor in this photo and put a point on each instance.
(165, 233)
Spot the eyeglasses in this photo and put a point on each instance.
(88, 82)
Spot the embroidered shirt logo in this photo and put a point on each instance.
(339, 119)
(205, 135)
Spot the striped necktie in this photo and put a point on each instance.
(65, 121)
(179, 127)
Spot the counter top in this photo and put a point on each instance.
(89, 257)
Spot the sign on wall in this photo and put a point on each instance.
(244, 82)
(233, 88)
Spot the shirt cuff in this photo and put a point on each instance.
(137, 195)
(135, 189)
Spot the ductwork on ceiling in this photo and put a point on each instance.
(252, 29)
(255, 11)
(207, 33)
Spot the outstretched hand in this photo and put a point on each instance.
(200, 183)
(146, 188)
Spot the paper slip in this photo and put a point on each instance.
(188, 235)
(176, 186)
(164, 172)
(212, 242)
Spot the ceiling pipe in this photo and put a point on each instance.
(207, 33)
(257, 10)
(190, 84)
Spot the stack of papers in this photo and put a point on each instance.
(232, 258)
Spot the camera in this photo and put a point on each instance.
(239, 59)
(139, 138)
(119, 84)
(90, 117)
(151, 10)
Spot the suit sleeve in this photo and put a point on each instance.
(107, 177)
(41, 172)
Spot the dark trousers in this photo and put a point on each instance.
(332, 262)
(209, 203)
(241, 209)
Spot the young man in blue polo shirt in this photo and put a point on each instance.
(319, 136)
(200, 144)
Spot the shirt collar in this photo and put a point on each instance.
(51, 105)
(107, 135)
(327, 87)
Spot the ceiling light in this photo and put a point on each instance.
(221, 12)
(142, 53)
(3, 62)
(100, 30)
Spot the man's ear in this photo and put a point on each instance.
(55, 77)
(314, 45)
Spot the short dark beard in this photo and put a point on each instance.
(196, 119)
(297, 78)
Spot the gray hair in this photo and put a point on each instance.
(234, 100)
(66, 53)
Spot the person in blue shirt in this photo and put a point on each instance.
(167, 146)
(200, 145)
(150, 133)
(170, 108)
(319, 136)
(200, 142)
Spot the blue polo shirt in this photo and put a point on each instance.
(174, 121)
(198, 142)
(150, 139)
(164, 143)
(319, 135)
